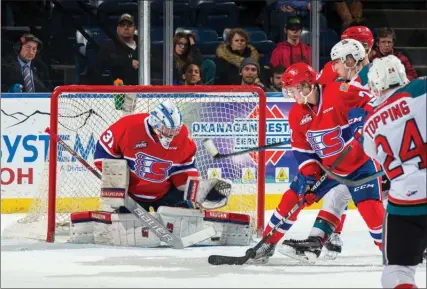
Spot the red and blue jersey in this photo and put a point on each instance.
(153, 169)
(320, 133)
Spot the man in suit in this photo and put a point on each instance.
(21, 72)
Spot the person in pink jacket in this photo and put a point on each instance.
(292, 50)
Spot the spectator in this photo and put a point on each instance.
(119, 56)
(185, 51)
(349, 13)
(292, 50)
(23, 72)
(276, 73)
(297, 7)
(250, 71)
(385, 40)
(191, 74)
(229, 56)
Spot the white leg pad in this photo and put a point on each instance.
(231, 228)
(107, 228)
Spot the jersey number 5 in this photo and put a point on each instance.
(412, 146)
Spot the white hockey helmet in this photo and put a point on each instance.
(348, 47)
(166, 121)
(386, 72)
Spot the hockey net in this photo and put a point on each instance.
(233, 116)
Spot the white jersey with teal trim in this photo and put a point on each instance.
(395, 135)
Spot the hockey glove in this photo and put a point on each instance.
(302, 186)
(356, 119)
(207, 194)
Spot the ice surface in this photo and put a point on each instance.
(26, 263)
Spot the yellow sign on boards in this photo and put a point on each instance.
(214, 173)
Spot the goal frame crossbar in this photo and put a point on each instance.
(53, 148)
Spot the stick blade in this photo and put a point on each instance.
(227, 260)
(210, 147)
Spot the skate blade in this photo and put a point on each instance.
(329, 255)
(307, 257)
(259, 261)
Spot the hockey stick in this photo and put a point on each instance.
(155, 226)
(351, 183)
(250, 253)
(213, 151)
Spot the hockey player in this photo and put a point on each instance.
(395, 135)
(159, 156)
(320, 132)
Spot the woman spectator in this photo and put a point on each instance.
(185, 51)
(229, 56)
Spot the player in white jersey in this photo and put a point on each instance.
(395, 135)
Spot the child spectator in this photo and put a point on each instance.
(191, 74)
(230, 55)
(292, 50)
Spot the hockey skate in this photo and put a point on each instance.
(306, 251)
(263, 254)
(333, 246)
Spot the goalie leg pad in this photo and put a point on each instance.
(98, 227)
(115, 182)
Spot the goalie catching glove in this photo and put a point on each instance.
(207, 194)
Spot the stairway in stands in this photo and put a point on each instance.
(409, 20)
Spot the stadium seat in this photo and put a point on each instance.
(255, 34)
(181, 14)
(217, 15)
(328, 38)
(264, 48)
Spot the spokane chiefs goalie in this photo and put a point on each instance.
(148, 163)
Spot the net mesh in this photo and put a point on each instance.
(230, 119)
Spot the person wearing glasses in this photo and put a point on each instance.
(119, 56)
(185, 51)
(22, 72)
(229, 56)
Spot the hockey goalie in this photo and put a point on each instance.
(151, 156)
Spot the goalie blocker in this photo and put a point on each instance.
(125, 229)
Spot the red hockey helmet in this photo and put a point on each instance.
(360, 33)
(298, 73)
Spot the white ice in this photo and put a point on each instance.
(34, 264)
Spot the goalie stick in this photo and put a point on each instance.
(213, 151)
(351, 183)
(251, 252)
(155, 226)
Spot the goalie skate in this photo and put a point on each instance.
(306, 251)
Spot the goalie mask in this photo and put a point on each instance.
(385, 73)
(166, 121)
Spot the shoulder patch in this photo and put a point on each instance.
(344, 87)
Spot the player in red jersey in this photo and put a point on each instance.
(360, 33)
(320, 132)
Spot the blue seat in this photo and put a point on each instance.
(156, 33)
(217, 15)
(328, 38)
(256, 36)
(109, 12)
(264, 48)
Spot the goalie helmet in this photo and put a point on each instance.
(166, 121)
(386, 72)
(348, 47)
(360, 33)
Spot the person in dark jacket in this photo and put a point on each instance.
(119, 56)
(23, 72)
(230, 55)
(292, 50)
(385, 40)
(185, 51)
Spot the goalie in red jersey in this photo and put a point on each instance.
(151, 157)
(320, 133)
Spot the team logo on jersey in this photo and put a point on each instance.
(326, 142)
(151, 169)
(306, 119)
(344, 87)
(142, 144)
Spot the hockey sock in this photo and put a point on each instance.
(338, 229)
(289, 199)
(372, 211)
(324, 224)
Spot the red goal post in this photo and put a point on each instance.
(216, 104)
